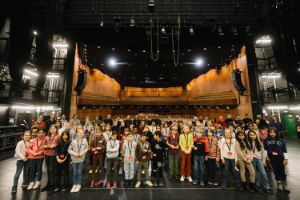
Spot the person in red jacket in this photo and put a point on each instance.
(36, 158)
(200, 152)
(40, 123)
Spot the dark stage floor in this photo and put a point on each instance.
(176, 190)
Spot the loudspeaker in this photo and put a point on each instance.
(237, 81)
(82, 78)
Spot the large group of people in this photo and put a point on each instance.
(199, 150)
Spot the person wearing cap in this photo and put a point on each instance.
(186, 141)
(173, 153)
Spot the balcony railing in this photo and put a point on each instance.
(280, 95)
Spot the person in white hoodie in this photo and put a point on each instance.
(22, 161)
(78, 149)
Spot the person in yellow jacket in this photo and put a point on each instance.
(186, 142)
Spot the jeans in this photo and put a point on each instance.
(211, 169)
(260, 175)
(198, 168)
(143, 166)
(62, 174)
(230, 166)
(51, 165)
(77, 173)
(157, 170)
(129, 170)
(173, 164)
(35, 170)
(112, 162)
(22, 165)
(278, 167)
(98, 162)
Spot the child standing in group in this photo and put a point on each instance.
(62, 162)
(173, 153)
(200, 152)
(22, 162)
(213, 157)
(78, 149)
(228, 158)
(277, 155)
(51, 141)
(186, 142)
(112, 155)
(158, 149)
(36, 158)
(245, 161)
(143, 153)
(258, 155)
(97, 147)
(129, 151)
(107, 133)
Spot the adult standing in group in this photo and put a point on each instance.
(40, 122)
(50, 121)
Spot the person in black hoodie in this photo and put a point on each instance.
(62, 162)
(158, 150)
(277, 155)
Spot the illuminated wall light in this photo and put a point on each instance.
(264, 40)
(35, 33)
(60, 45)
(31, 72)
(294, 108)
(52, 75)
(278, 107)
(271, 76)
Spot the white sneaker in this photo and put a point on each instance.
(30, 186)
(36, 185)
(182, 178)
(120, 171)
(138, 184)
(78, 187)
(190, 179)
(73, 189)
(149, 183)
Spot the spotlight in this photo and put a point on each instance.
(132, 22)
(191, 30)
(35, 33)
(151, 6)
(112, 62)
(101, 24)
(199, 62)
(163, 30)
(234, 31)
(220, 31)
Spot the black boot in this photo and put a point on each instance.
(244, 186)
(253, 188)
(284, 187)
(125, 183)
(131, 183)
(46, 188)
(279, 186)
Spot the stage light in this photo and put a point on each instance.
(132, 22)
(151, 6)
(112, 62)
(248, 30)
(29, 72)
(101, 24)
(234, 31)
(163, 30)
(35, 33)
(60, 45)
(52, 75)
(191, 30)
(199, 62)
(144, 51)
(220, 31)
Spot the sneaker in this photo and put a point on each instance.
(149, 183)
(45, 188)
(30, 186)
(182, 178)
(216, 183)
(36, 185)
(114, 184)
(14, 189)
(160, 184)
(56, 189)
(73, 189)
(92, 184)
(91, 171)
(120, 171)
(195, 182)
(108, 186)
(77, 189)
(155, 184)
(24, 185)
(210, 183)
(63, 189)
(99, 183)
(190, 179)
(138, 184)
(201, 183)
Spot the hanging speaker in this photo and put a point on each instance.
(237, 81)
(82, 77)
